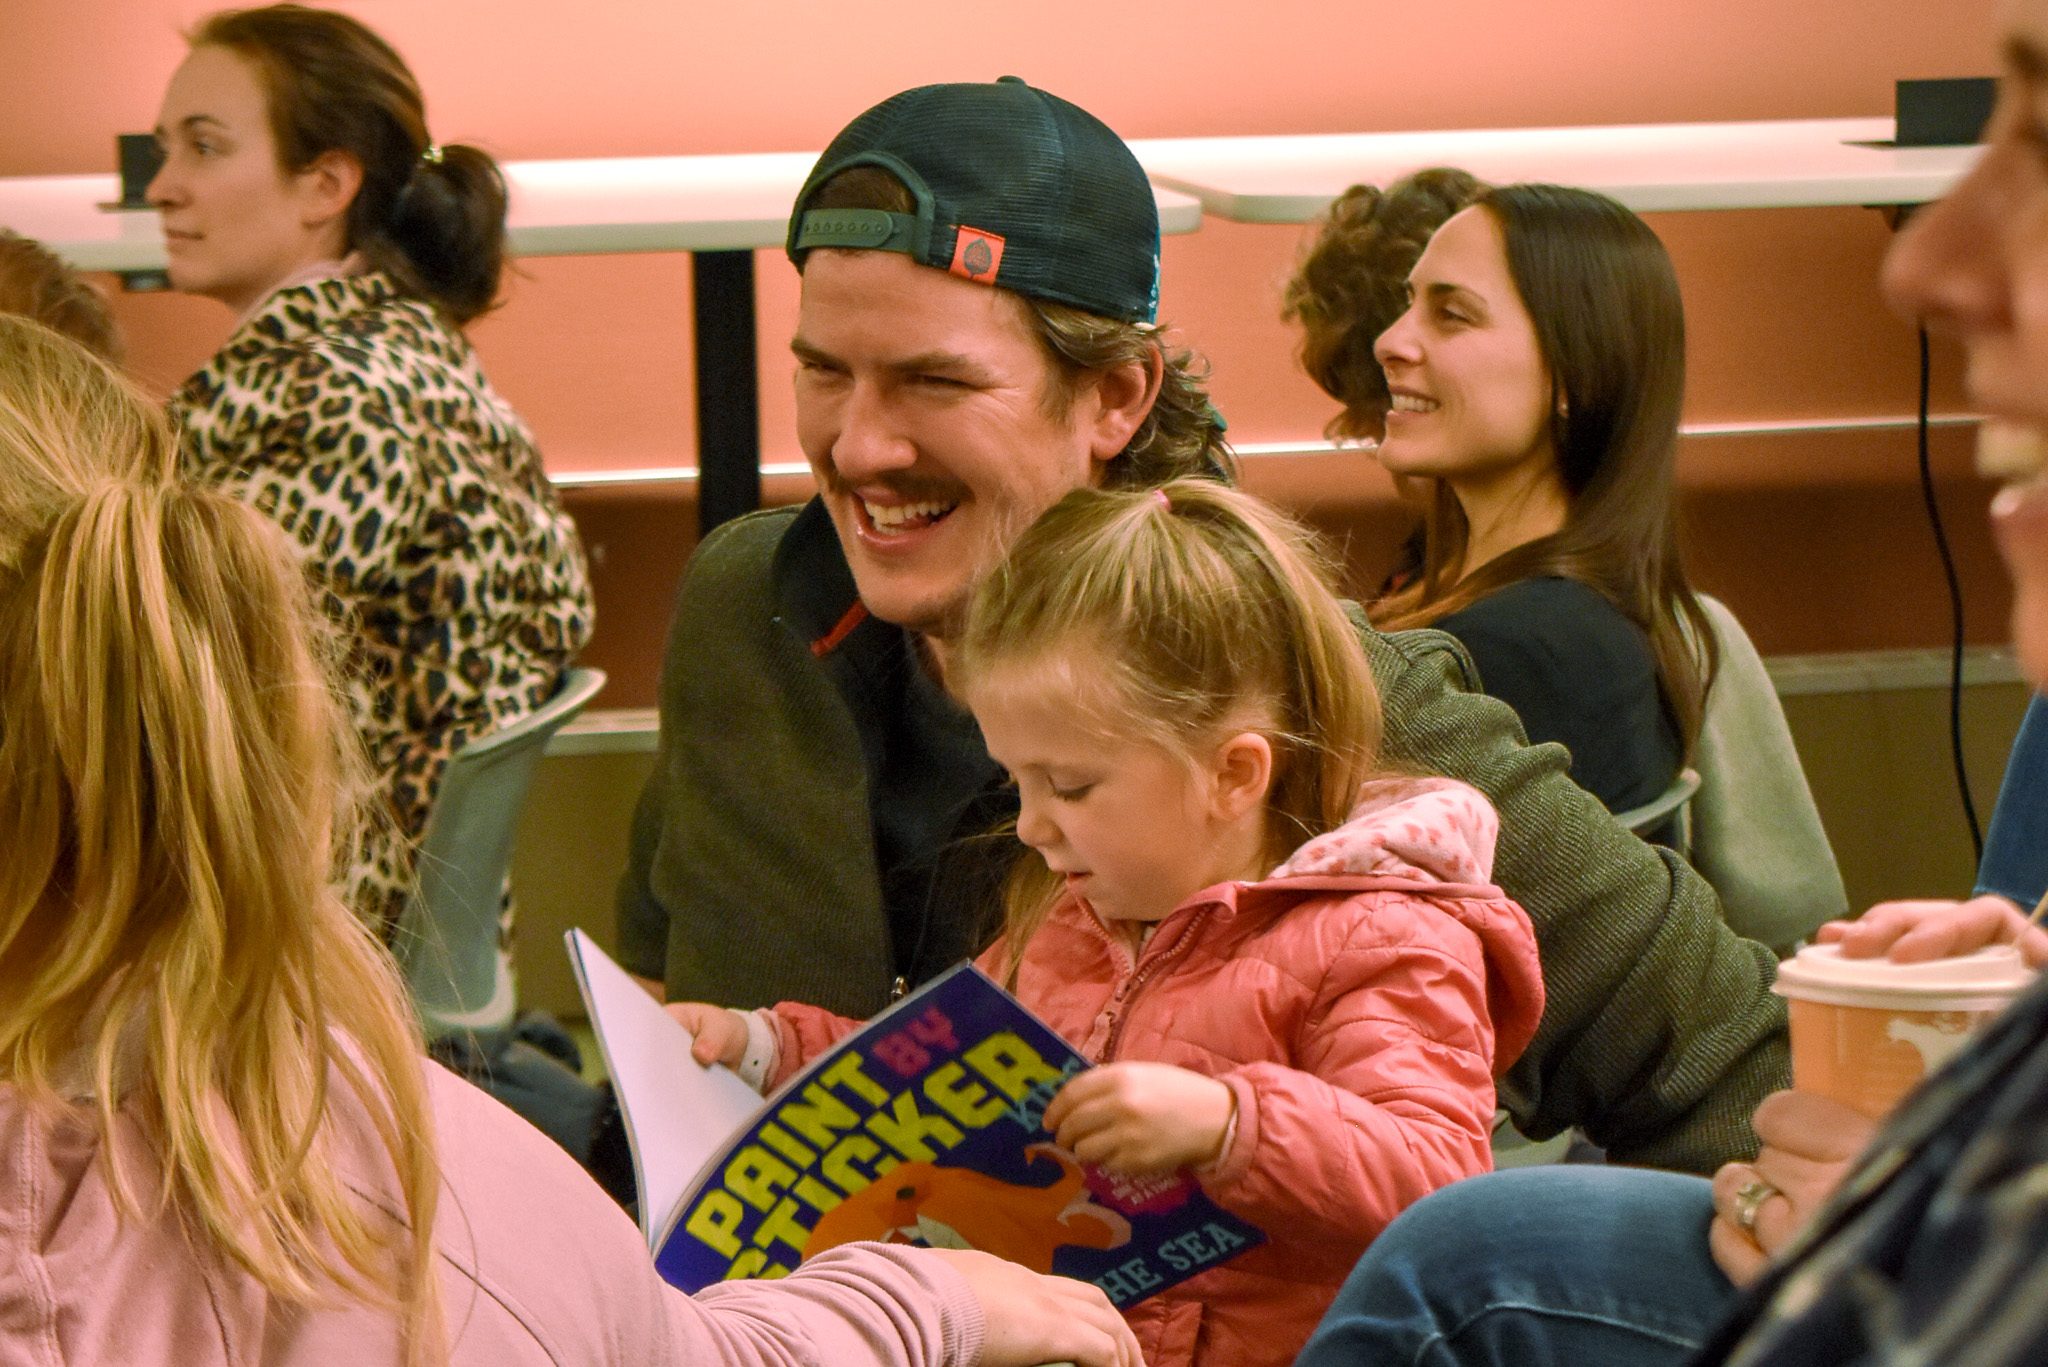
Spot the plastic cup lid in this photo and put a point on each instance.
(1983, 981)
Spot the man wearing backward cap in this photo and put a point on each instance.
(976, 338)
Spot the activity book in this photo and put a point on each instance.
(923, 1127)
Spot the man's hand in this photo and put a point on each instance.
(1808, 1144)
(1141, 1118)
(1034, 1319)
(721, 1034)
(1913, 932)
(653, 987)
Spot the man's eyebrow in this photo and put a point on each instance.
(924, 362)
(2027, 60)
(944, 362)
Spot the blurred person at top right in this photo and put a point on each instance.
(1528, 387)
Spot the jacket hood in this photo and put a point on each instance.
(1434, 837)
(1433, 830)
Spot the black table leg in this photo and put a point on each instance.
(728, 392)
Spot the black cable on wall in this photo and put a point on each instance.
(1955, 608)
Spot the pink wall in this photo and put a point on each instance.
(622, 77)
(1784, 314)
(595, 351)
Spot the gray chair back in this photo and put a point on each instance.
(1756, 833)
(448, 937)
(1672, 802)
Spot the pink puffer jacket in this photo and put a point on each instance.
(1359, 1002)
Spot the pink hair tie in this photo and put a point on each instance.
(1164, 501)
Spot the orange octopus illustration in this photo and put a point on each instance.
(958, 1208)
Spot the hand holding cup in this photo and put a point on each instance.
(1809, 1141)
(1915, 931)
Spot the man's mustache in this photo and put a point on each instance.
(908, 488)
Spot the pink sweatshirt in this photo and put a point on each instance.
(537, 1266)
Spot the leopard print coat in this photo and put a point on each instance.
(361, 422)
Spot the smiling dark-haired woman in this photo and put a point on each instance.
(1514, 357)
(1534, 388)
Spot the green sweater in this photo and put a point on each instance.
(753, 875)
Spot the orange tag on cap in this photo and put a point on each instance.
(976, 255)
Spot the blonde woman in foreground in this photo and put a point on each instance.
(219, 1141)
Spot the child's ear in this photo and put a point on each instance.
(1243, 772)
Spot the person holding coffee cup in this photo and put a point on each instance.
(1922, 1237)
(1858, 1048)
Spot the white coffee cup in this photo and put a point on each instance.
(1866, 1031)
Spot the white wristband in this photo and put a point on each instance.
(763, 1050)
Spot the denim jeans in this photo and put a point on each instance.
(2015, 864)
(1566, 1265)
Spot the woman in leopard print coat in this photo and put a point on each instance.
(300, 189)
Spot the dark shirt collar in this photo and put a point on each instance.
(814, 588)
(930, 780)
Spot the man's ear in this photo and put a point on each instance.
(1242, 774)
(327, 187)
(1123, 396)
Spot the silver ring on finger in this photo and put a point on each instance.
(1749, 1199)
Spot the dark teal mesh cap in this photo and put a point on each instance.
(1014, 187)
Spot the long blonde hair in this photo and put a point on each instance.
(1208, 610)
(174, 773)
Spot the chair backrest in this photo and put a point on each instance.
(1672, 802)
(1756, 833)
(448, 937)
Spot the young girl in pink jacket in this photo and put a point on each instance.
(1291, 966)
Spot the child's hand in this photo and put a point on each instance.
(721, 1033)
(1141, 1118)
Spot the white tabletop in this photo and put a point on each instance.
(559, 208)
(1784, 164)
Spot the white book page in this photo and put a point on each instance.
(678, 1112)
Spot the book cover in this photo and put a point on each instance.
(924, 1126)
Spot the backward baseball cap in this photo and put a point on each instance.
(1013, 187)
